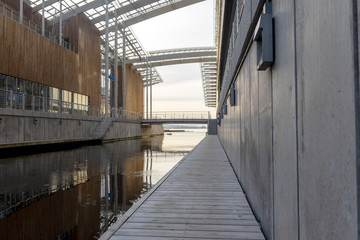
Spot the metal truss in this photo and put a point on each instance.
(171, 54)
(133, 49)
(121, 10)
(208, 71)
(176, 56)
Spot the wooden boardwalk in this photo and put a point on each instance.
(200, 199)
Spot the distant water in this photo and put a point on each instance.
(79, 193)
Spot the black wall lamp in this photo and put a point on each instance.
(264, 38)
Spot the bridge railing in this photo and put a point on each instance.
(120, 114)
(178, 115)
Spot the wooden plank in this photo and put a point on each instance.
(195, 221)
(193, 227)
(199, 206)
(245, 211)
(195, 215)
(191, 234)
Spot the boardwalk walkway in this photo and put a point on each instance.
(200, 199)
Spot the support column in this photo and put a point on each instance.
(43, 18)
(60, 24)
(124, 69)
(107, 59)
(21, 15)
(147, 89)
(116, 191)
(116, 64)
(151, 94)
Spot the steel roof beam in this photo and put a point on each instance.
(175, 56)
(154, 13)
(84, 8)
(39, 7)
(127, 8)
(177, 61)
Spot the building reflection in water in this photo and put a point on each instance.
(77, 194)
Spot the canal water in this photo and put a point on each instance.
(79, 193)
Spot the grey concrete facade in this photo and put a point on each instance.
(293, 134)
(24, 128)
(20, 127)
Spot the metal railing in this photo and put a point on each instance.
(9, 13)
(180, 115)
(120, 114)
(23, 101)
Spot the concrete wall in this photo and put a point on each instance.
(120, 129)
(291, 137)
(151, 130)
(18, 127)
(23, 126)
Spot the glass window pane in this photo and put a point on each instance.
(10, 84)
(20, 85)
(35, 89)
(42, 90)
(28, 88)
(2, 82)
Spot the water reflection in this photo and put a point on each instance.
(77, 194)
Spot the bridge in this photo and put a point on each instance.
(178, 118)
(183, 118)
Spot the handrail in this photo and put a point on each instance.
(11, 14)
(180, 115)
(120, 114)
(23, 101)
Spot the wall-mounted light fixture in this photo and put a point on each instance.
(264, 38)
(0, 120)
(35, 121)
(61, 121)
(232, 95)
(80, 122)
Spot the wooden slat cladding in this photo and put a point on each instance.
(28, 55)
(134, 90)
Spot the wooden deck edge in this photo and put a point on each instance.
(114, 227)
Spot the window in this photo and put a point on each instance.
(22, 94)
(2, 82)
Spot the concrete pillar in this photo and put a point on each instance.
(147, 89)
(21, 16)
(43, 18)
(60, 24)
(116, 64)
(151, 94)
(124, 69)
(106, 58)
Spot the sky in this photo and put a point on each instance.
(192, 26)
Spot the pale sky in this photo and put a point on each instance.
(192, 26)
